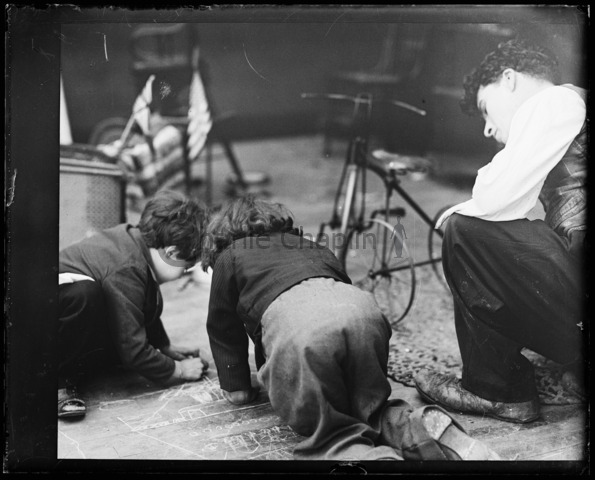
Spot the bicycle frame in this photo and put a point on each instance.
(393, 184)
(359, 135)
(377, 273)
(356, 166)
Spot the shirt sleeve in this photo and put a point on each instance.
(125, 295)
(227, 335)
(541, 131)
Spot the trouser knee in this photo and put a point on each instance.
(80, 299)
(460, 235)
(459, 228)
(83, 338)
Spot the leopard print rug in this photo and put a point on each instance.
(426, 338)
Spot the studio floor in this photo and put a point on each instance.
(130, 418)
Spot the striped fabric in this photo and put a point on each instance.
(141, 110)
(150, 168)
(199, 116)
(151, 165)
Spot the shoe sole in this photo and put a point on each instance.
(81, 412)
(71, 414)
(466, 447)
(429, 399)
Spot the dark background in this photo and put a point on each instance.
(257, 64)
(294, 49)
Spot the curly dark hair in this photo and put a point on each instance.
(516, 54)
(173, 219)
(244, 217)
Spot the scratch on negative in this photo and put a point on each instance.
(12, 188)
(76, 444)
(336, 20)
(289, 16)
(246, 56)
(47, 56)
(105, 47)
(62, 38)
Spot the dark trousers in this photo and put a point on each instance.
(84, 344)
(515, 284)
(326, 346)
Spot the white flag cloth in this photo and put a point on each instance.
(65, 132)
(141, 110)
(199, 117)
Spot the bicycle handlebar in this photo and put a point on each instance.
(360, 99)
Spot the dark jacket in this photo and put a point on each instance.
(119, 260)
(247, 277)
(564, 195)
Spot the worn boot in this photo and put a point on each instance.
(447, 391)
(432, 434)
(69, 403)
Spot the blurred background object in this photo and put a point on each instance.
(92, 194)
(166, 67)
(65, 133)
(254, 64)
(258, 70)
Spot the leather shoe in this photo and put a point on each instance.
(447, 391)
(69, 404)
(452, 438)
(432, 434)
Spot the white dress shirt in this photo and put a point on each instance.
(541, 131)
(72, 277)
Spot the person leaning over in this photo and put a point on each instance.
(110, 301)
(517, 283)
(321, 344)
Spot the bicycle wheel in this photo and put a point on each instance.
(435, 249)
(370, 261)
(107, 131)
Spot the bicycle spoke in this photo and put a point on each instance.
(370, 261)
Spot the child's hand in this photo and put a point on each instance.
(240, 397)
(180, 353)
(193, 368)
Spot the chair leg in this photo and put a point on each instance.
(187, 166)
(233, 162)
(209, 175)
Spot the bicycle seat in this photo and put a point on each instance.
(384, 162)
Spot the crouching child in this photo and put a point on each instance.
(110, 301)
(321, 344)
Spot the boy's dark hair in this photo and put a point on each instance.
(170, 218)
(516, 54)
(244, 217)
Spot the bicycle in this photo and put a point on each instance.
(366, 242)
